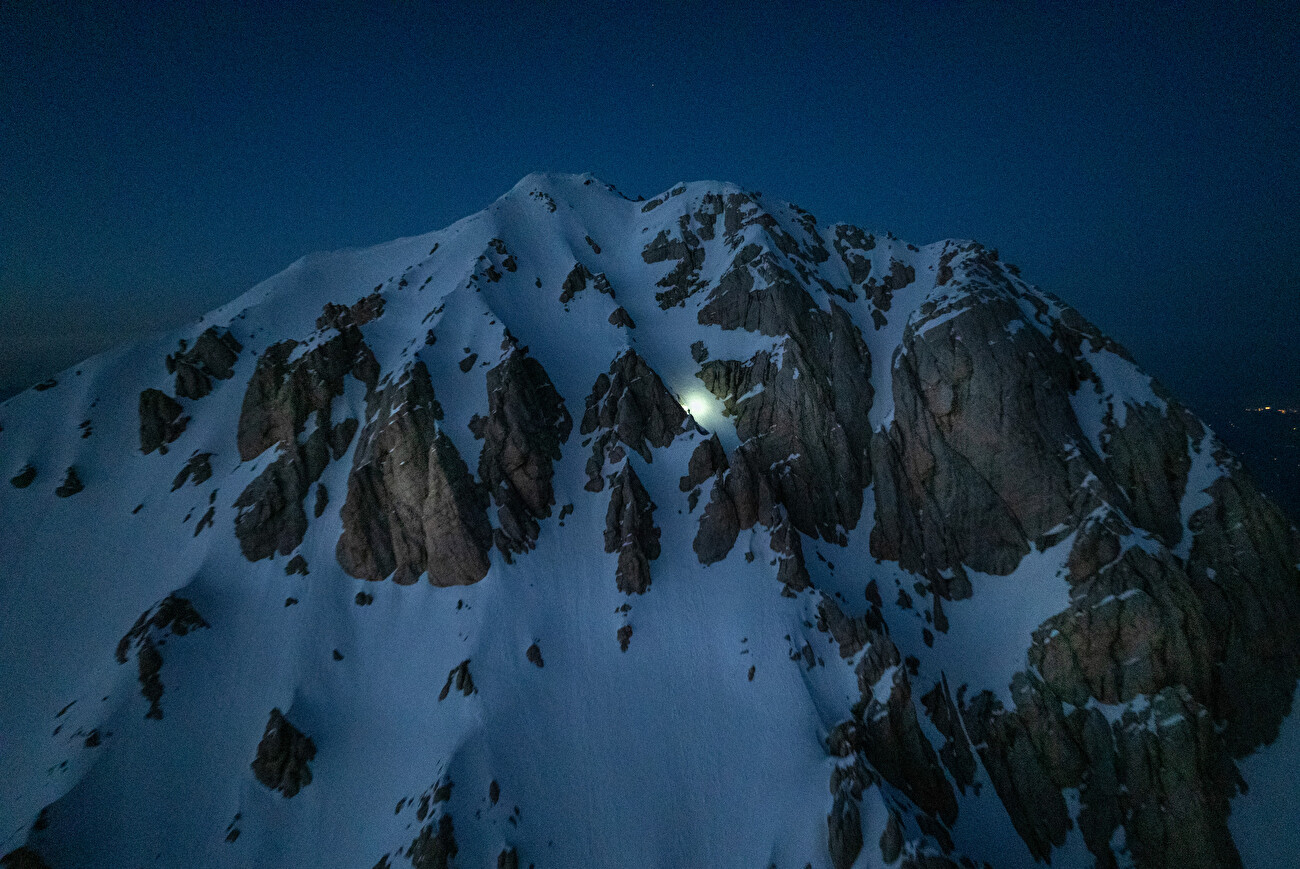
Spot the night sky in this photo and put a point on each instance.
(158, 161)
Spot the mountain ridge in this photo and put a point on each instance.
(600, 427)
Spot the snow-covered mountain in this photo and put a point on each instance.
(593, 532)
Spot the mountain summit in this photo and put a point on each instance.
(593, 532)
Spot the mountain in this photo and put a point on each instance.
(599, 532)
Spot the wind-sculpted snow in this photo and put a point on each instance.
(864, 554)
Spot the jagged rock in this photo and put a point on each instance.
(621, 318)
(297, 565)
(460, 677)
(509, 857)
(522, 433)
(283, 756)
(71, 484)
(1244, 567)
(629, 406)
(802, 416)
(844, 831)
(412, 504)
(172, 616)
(282, 395)
(889, 733)
(575, 282)
(630, 531)
(534, 655)
(791, 572)
(687, 251)
(956, 750)
(214, 354)
(322, 500)
(891, 840)
(160, 421)
(432, 850)
(699, 352)
(23, 478)
(707, 459)
(624, 637)
(198, 468)
(340, 317)
(972, 469)
(271, 517)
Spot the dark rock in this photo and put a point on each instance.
(460, 678)
(71, 484)
(509, 857)
(624, 637)
(23, 478)
(575, 282)
(197, 469)
(621, 318)
(699, 352)
(341, 317)
(322, 500)
(412, 504)
(297, 565)
(213, 356)
(891, 840)
(844, 831)
(534, 655)
(629, 406)
(271, 517)
(283, 756)
(630, 531)
(160, 421)
(525, 425)
(432, 850)
(172, 616)
(707, 459)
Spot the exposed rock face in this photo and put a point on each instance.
(71, 484)
(213, 356)
(197, 470)
(283, 393)
(460, 678)
(283, 756)
(412, 504)
(801, 415)
(629, 406)
(630, 531)
(160, 421)
(23, 478)
(844, 831)
(171, 617)
(432, 850)
(522, 433)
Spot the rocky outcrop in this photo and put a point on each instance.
(630, 531)
(525, 425)
(161, 421)
(288, 388)
(844, 831)
(434, 850)
(284, 756)
(801, 413)
(632, 407)
(977, 463)
(412, 504)
(361, 312)
(213, 355)
(23, 478)
(198, 470)
(172, 617)
(460, 678)
(71, 484)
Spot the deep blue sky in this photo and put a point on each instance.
(155, 162)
